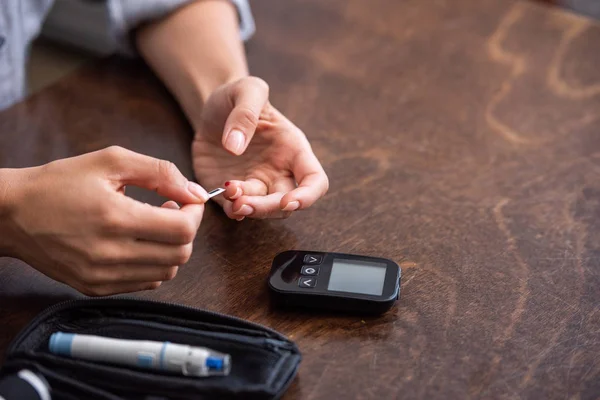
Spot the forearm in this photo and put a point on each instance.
(195, 50)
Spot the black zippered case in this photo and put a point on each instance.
(263, 362)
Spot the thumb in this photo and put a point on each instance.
(151, 173)
(249, 97)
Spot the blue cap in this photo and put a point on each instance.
(60, 343)
(214, 363)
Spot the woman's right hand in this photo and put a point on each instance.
(71, 220)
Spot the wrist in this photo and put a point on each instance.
(16, 186)
(195, 50)
(8, 203)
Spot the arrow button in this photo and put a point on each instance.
(307, 282)
(313, 259)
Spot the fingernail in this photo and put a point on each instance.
(292, 206)
(244, 210)
(240, 219)
(235, 142)
(237, 194)
(198, 191)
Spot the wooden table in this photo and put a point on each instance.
(462, 140)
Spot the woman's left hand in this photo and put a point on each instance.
(265, 162)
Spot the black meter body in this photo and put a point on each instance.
(334, 281)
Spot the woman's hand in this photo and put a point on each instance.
(198, 54)
(266, 160)
(71, 220)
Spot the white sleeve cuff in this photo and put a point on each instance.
(247, 27)
(125, 15)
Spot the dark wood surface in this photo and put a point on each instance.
(461, 139)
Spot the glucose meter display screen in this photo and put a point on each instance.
(357, 277)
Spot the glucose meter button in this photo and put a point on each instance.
(307, 282)
(313, 259)
(309, 270)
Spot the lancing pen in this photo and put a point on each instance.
(160, 356)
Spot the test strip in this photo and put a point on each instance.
(215, 192)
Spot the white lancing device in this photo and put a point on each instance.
(165, 356)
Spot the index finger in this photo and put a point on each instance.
(162, 176)
(161, 224)
(312, 182)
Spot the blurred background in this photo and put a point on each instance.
(586, 7)
(76, 31)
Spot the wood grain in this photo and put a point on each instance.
(461, 140)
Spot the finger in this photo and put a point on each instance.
(228, 209)
(151, 173)
(123, 273)
(193, 213)
(118, 288)
(252, 187)
(312, 183)
(159, 224)
(249, 97)
(283, 185)
(170, 205)
(259, 207)
(257, 188)
(142, 252)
